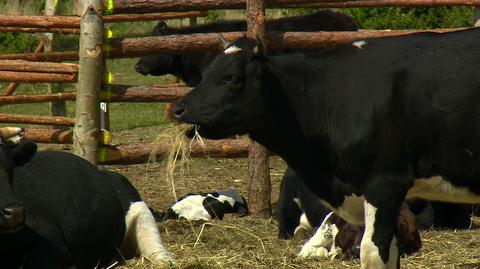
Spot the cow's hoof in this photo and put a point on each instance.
(309, 251)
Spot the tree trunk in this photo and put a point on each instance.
(52, 44)
(87, 123)
(259, 187)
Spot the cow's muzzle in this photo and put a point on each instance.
(12, 218)
(178, 111)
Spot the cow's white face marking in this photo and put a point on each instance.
(142, 234)
(223, 199)
(320, 242)
(439, 189)
(232, 50)
(352, 209)
(359, 44)
(191, 208)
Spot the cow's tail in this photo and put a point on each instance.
(142, 235)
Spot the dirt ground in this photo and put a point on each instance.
(248, 243)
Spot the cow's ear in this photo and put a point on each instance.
(161, 28)
(23, 153)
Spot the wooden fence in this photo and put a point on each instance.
(46, 67)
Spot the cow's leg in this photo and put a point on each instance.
(142, 235)
(379, 244)
(318, 244)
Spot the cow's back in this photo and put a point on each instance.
(69, 202)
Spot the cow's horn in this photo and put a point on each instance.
(7, 132)
(16, 139)
(225, 43)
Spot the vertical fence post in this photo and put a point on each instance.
(52, 43)
(87, 123)
(477, 16)
(259, 187)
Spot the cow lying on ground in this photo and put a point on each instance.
(206, 206)
(299, 209)
(59, 211)
(189, 66)
(366, 125)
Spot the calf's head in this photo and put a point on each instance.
(11, 155)
(229, 99)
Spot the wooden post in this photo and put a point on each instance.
(52, 44)
(259, 187)
(87, 123)
(477, 16)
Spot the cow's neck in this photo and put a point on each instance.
(282, 135)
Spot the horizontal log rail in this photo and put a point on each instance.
(148, 6)
(49, 136)
(73, 22)
(154, 93)
(28, 66)
(140, 153)
(36, 119)
(37, 77)
(115, 93)
(134, 47)
(71, 31)
(56, 56)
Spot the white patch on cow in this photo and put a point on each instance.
(359, 44)
(232, 50)
(191, 208)
(223, 199)
(298, 202)
(352, 209)
(142, 231)
(320, 242)
(369, 253)
(334, 250)
(438, 189)
(303, 225)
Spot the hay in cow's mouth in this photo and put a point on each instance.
(178, 155)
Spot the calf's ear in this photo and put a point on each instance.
(23, 153)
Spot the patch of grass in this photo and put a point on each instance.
(122, 115)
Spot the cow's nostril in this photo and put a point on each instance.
(13, 215)
(179, 112)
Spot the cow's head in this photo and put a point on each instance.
(11, 155)
(160, 64)
(229, 99)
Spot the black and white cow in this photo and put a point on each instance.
(189, 66)
(59, 211)
(366, 124)
(206, 206)
(298, 208)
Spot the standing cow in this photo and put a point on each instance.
(59, 211)
(189, 66)
(366, 124)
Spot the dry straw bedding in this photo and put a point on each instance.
(239, 243)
